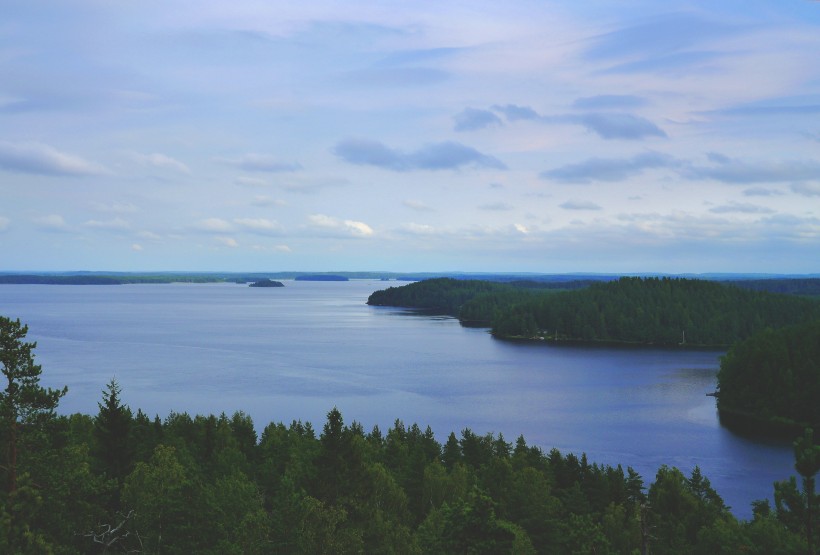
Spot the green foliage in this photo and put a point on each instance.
(774, 378)
(658, 311)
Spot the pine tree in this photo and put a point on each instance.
(24, 401)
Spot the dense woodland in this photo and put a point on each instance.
(119, 482)
(657, 311)
(772, 380)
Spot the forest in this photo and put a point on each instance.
(651, 311)
(121, 482)
(771, 382)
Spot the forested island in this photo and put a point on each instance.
(266, 283)
(119, 482)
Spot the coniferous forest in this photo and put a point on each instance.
(121, 482)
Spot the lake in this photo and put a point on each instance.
(291, 353)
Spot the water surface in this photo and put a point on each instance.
(291, 353)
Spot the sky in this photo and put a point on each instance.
(475, 136)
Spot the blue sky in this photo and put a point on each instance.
(537, 136)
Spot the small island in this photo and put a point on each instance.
(321, 277)
(266, 283)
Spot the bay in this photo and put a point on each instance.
(294, 353)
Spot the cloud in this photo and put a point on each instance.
(394, 77)
(806, 189)
(660, 37)
(607, 125)
(418, 229)
(263, 201)
(346, 227)
(741, 208)
(609, 101)
(260, 225)
(783, 106)
(162, 161)
(227, 242)
(137, 247)
(52, 222)
(761, 192)
(4, 223)
(42, 159)
(214, 225)
(272, 248)
(610, 169)
(261, 163)
(115, 224)
(739, 172)
(496, 207)
(521, 229)
(616, 126)
(115, 208)
(438, 156)
(417, 206)
(515, 113)
(579, 205)
(471, 119)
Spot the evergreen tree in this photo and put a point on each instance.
(24, 400)
(112, 433)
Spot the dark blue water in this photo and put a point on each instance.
(296, 352)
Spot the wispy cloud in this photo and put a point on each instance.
(52, 222)
(741, 208)
(609, 102)
(607, 125)
(213, 225)
(4, 223)
(161, 161)
(471, 119)
(806, 189)
(42, 159)
(610, 169)
(741, 172)
(260, 225)
(439, 156)
(416, 205)
(115, 224)
(255, 162)
(496, 207)
(343, 227)
(579, 205)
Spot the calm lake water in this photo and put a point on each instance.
(296, 352)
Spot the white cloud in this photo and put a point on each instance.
(259, 225)
(217, 225)
(150, 235)
(261, 163)
(263, 201)
(4, 223)
(42, 159)
(137, 247)
(114, 207)
(417, 205)
(521, 229)
(162, 161)
(345, 227)
(113, 224)
(227, 242)
(52, 222)
(272, 248)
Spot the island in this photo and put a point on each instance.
(266, 283)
